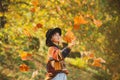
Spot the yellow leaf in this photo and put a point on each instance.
(25, 55)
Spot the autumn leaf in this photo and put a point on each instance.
(76, 27)
(91, 55)
(35, 3)
(26, 32)
(23, 67)
(98, 23)
(33, 10)
(69, 36)
(39, 25)
(97, 62)
(78, 20)
(25, 56)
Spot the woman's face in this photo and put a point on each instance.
(56, 37)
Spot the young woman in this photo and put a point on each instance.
(56, 69)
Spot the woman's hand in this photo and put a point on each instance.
(70, 45)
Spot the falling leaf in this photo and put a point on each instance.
(23, 67)
(33, 10)
(39, 25)
(35, 3)
(91, 55)
(25, 56)
(97, 64)
(78, 20)
(76, 27)
(98, 23)
(26, 32)
(69, 36)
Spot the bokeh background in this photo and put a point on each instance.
(95, 23)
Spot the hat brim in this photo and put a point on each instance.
(56, 30)
(53, 31)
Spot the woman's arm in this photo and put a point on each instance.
(65, 52)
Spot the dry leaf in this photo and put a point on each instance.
(35, 3)
(39, 25)
(76, 27)
(80, 20)
(91, 55)
(33, 10)
(25, 56)
(23, 67)
(98, 23)
(69, 36)
(97, 64)
(26, 32)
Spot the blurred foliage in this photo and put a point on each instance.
(23, 24)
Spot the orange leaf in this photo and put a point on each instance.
(80, 20)
(33, 10)
(23, 67)
(98, 23)
(69, 36)
(97, 64)
(91, 55)
(26, 32)
(29, 55)
(25, 56)
(35, 2)
(76, 26)
(39, 25)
